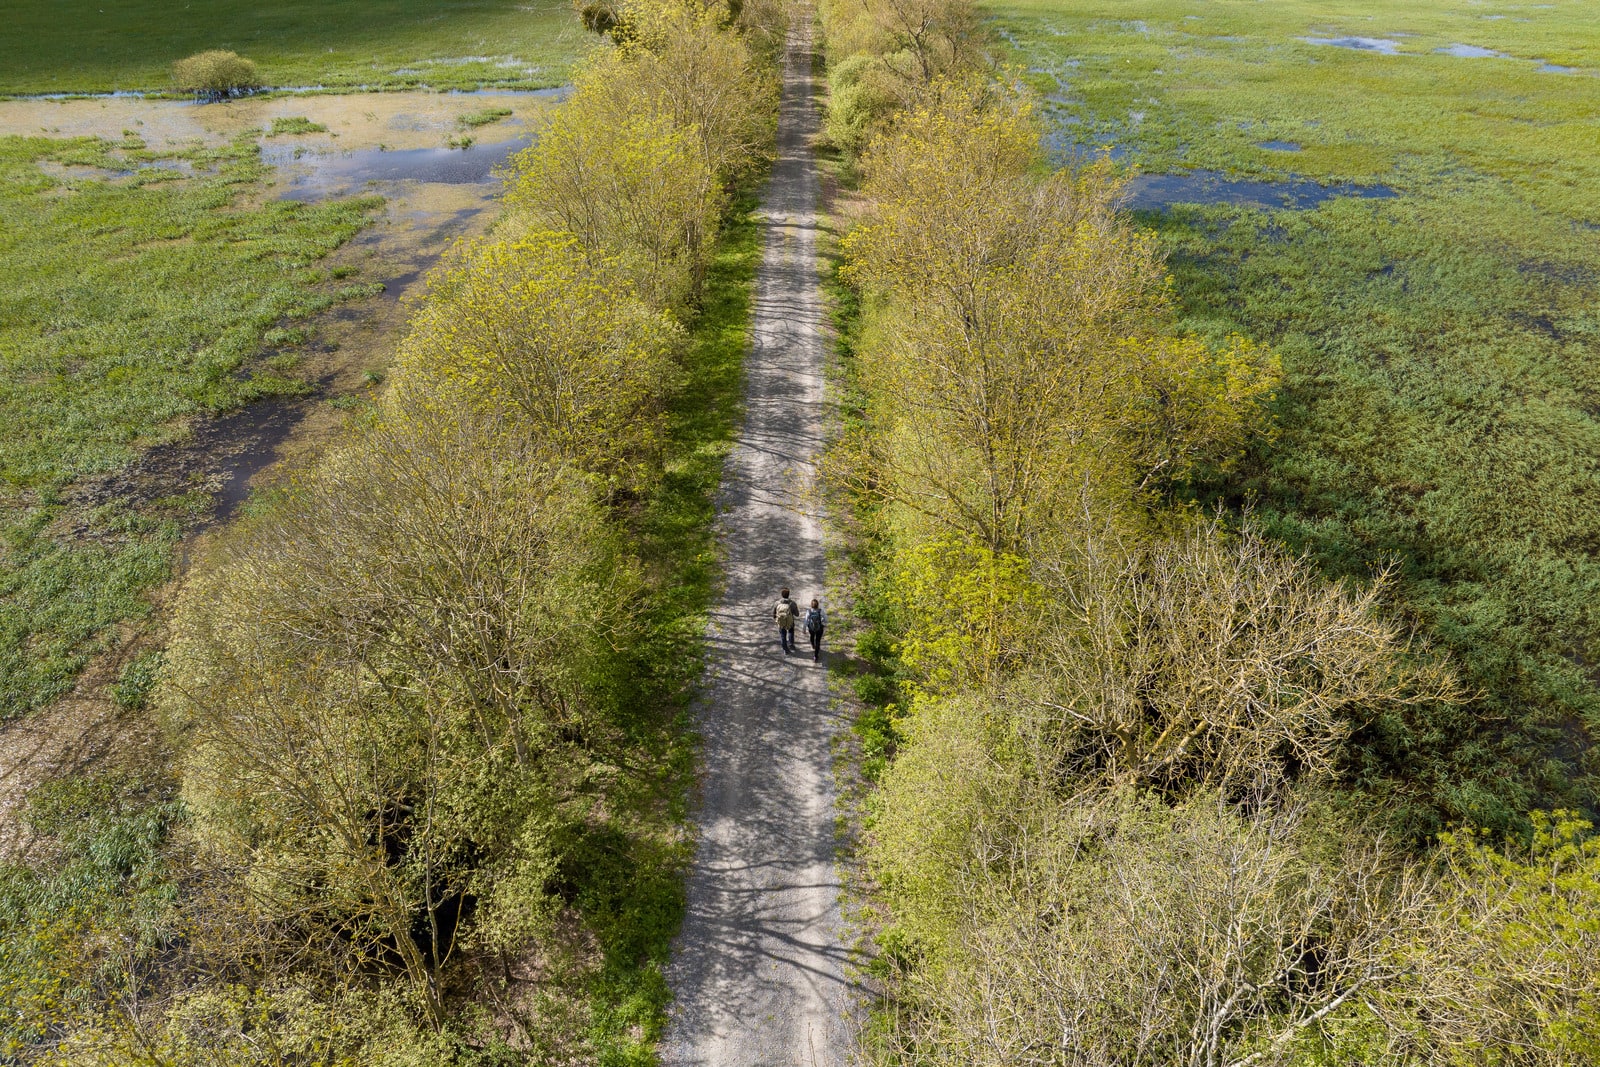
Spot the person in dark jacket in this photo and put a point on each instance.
(815, 621)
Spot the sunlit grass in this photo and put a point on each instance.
(92, 45)
(131, 297)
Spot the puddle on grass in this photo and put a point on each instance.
(1157, 192)
(1382, 45)
(1470, 51)
(312, 176)
(1279, 146)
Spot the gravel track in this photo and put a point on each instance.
(759, 967)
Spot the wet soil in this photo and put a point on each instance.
(354, 122)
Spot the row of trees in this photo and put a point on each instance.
(1113, 831)
(402, 687)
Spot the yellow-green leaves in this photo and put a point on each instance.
(626, 186)
(635, 163)
(1018, 356)
(968, 610)
(556, 341)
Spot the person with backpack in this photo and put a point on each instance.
(815, 621)
(785, 611)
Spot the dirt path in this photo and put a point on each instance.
(759, 967)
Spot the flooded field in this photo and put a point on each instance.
(354, 121)
(433, 157)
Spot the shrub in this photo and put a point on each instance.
(215, 74)
(625, 184)
(862, 95)
(533, 329)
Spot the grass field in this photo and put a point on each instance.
(97, 46)
(1441, 348)
(136, 288)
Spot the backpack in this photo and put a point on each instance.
(787, 610)
(814, 621)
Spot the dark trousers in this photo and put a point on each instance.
(816, 642)
(786, 638)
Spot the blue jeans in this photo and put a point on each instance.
(786, 638)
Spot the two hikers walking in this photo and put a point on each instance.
(786, 611)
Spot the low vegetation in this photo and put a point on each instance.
(1121, 814)
(294, 126)
(427, 699)
(483, 117)
(142, 290)
(83, 46)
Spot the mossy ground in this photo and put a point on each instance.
(1440, 402)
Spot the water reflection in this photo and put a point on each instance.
(1470, 51)
(311, 175)
(1382, 45)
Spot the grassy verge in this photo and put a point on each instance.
(137, 288)
(635, 897)
(1439, 347)
(872, 673)
(82, 46)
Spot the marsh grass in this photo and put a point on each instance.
(132, 298)
(483, 117)
(84, 46)
(294, 125)
(1441, 397)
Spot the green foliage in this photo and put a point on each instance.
(109, 344)
(136, 680)
(484, 116)
(215, 74)
(861, 97)
(967, 612)
(84, 46)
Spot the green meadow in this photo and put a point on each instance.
(137, 289)
(1441, 348)
(78, 46)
